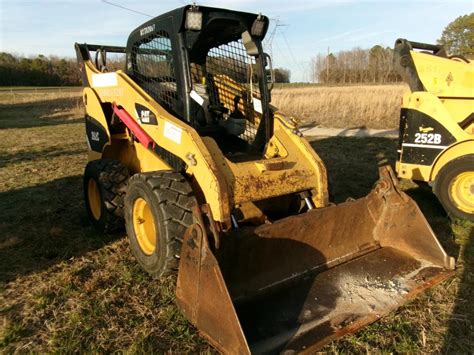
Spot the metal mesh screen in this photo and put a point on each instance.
(230, 73)
(153, 68)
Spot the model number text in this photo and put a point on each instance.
(428, 138)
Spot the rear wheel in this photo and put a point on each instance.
(105, 183)
(454, 187)
(157, 213)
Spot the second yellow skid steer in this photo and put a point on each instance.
(214, 183)
(436, 142)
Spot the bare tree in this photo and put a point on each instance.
(355, 66)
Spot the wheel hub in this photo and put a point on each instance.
(93, 195)
(462, 191)
(144, 226)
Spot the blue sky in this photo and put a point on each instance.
(50, 27)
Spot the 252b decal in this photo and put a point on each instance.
(428, 138)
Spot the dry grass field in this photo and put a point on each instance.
(25, 96)
(355, 106)
(66, 288)
(371, 106)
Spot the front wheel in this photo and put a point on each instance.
(157, 213)
(454, 187)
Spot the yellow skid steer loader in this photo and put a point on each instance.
(212, 182)
(437, 123)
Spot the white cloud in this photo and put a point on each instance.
(373, 34)
(342, 35)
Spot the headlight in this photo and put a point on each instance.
(193, 19)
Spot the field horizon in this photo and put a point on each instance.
(331, 106)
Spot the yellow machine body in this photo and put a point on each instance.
(288, 165)
(437, 117)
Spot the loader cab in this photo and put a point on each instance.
(152, 54)
(207, 67)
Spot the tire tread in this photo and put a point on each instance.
(176, 199)
(112, 176)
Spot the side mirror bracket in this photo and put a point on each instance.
(270, 79)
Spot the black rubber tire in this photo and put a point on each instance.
(443, 181)
(111, 177)
(170, 199)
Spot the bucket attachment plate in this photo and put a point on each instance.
(305, 280)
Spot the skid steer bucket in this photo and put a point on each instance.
(305, 280)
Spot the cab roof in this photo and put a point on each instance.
(178, 17)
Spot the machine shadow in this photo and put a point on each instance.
(43, 225)
(352, 163)
(48, 112)
(31, 155)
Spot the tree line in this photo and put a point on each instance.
(39, 71)
(56, 71)
(374, 65)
